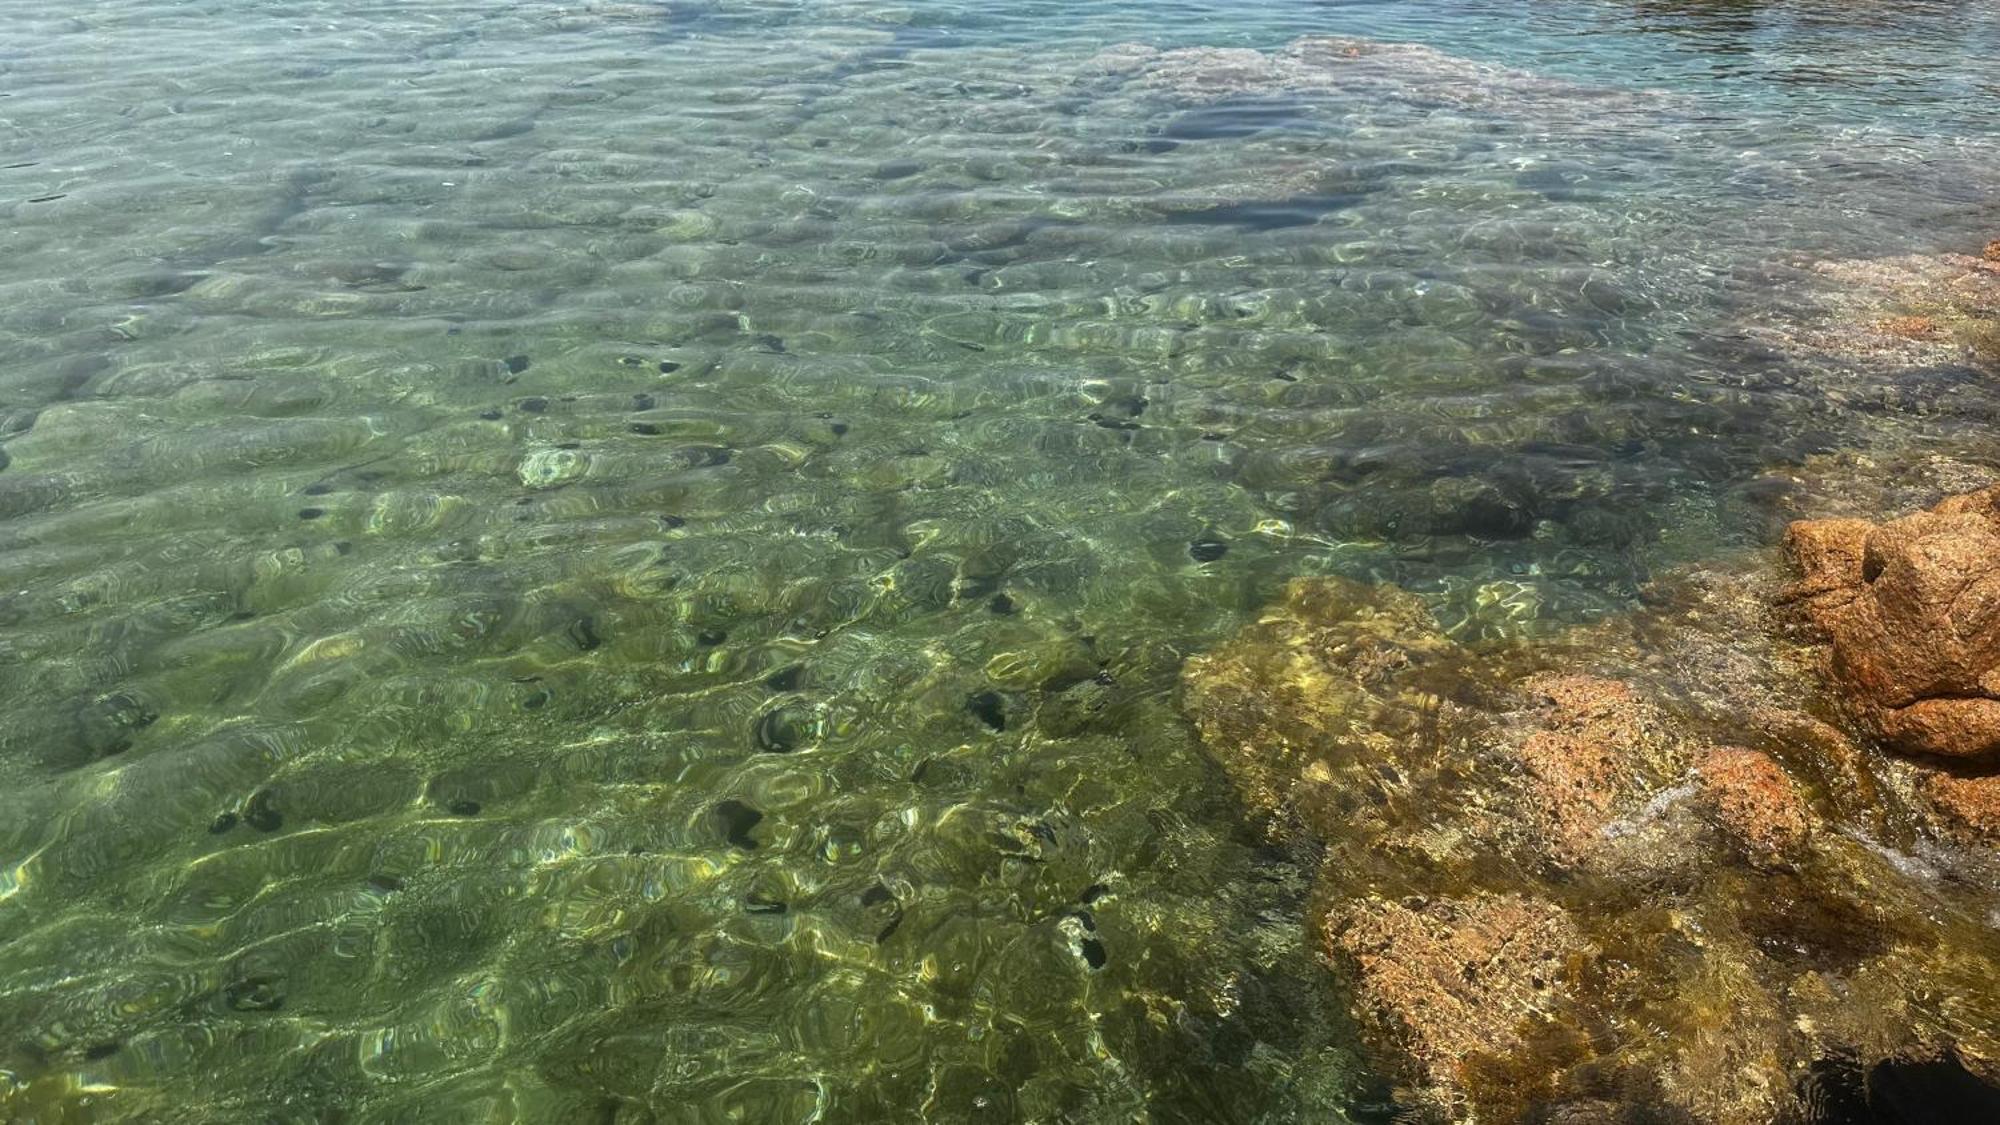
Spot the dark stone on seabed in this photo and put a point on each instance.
(736, 819)
(258, 992)
(989, 708)
(1839, 1091)
(1093, 953)
(1234, 119)
(1268, 215)
(778, 731)
(261, 811)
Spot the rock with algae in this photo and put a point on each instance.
(1331, 676)
(1623, 872)
(1460, 981)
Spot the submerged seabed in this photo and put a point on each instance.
(629, 562)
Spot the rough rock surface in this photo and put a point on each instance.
(1911, 609)
(1755, 800)
(1624, 871)
(1593, 749)
(1460, 982)
(1971, 804)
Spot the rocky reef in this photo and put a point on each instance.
(1642, 870)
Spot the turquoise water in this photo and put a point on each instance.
(629, 561)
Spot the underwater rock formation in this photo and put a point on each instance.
(1915, 310)
(1334, 64)
(1912, 610)
(1619, 874)
(1460, 979)
(1755, 800)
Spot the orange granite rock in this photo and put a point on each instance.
(1913, 622)
(1754, 799)
(1455, 981)
(1553, 895)
(1970, 803)
(1589, 757)
(1828, 555)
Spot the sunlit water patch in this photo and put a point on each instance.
(628, 561)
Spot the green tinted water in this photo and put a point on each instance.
(629, 562)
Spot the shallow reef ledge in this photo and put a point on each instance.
(1725, 859)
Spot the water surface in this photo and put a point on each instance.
(628, 561)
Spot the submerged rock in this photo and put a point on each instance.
(1335, 64)
(1595, 752)
(1895, 313)
(1328, 680)
(1464, 984)
(1970, 804)
(1617, 874)
(1911, 609)
(1755, 800)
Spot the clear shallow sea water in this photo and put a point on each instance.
(628, 562)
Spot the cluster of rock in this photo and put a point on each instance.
(1642, 868)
